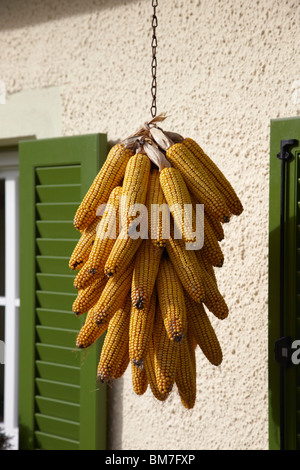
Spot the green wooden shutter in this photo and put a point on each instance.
(284, 129)
(60, 404)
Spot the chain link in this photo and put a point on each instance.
(154, 60)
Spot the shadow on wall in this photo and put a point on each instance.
(16, 14)
(115, 414)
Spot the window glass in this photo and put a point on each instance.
(1, 361)
(2, 241)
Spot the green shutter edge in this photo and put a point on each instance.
(282, 129)
(93, 403)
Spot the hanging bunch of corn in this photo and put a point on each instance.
(146, 261)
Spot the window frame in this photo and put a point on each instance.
(9, 172)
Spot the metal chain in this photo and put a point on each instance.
(154, 61)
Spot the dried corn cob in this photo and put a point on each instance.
(89, 332)
(165, 355)
(158, 211)
(140, 331)
(144, 274)
(115, 343)
(209, 268)
(179, 201)
(203, 331)
(216, 227)
(89, 296)
(150, 373)
(110, 176)
(214, 301)
(122, 366)
(107, 232)
(84, 245)
(85, 278)
(185, 377)
(113, 295)
(198, 182)
(211, 248)
(188, 269)
(139, 380)
(171, 300)
(234, 204)
(122, 253)
(134, 188)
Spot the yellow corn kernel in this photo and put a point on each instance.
(122, 253)
(214, 301)
(84, 245)
(165, 356)
(144, 274)
(188, 269)
(171, 300)
(179, 202)
(198, 181)
(110, 176)
(113, 295)
(115, 343)
(140, 331)
(89, 296)
(139, 380)
(203, 331)
(234, 204)
(158, 211)
(185, 377)
(134, 189)
(106, 235)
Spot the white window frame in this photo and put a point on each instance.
(10, 301)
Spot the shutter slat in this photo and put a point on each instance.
(56, 282)
(57, 426)
(47, 441)
(56, 336)
(60, 354)
(55, 229)
(56, 211)
(58, 318)
(58, 174)
(60, 372)
(58, 408)
(55, 300)
(58, 390)
(59, 192)
(55, 247)
(54, 264)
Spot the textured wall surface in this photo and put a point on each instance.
(224, 70)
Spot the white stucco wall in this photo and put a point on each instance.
(225, 68)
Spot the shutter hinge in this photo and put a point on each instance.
(284, 153)
(283, 351)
